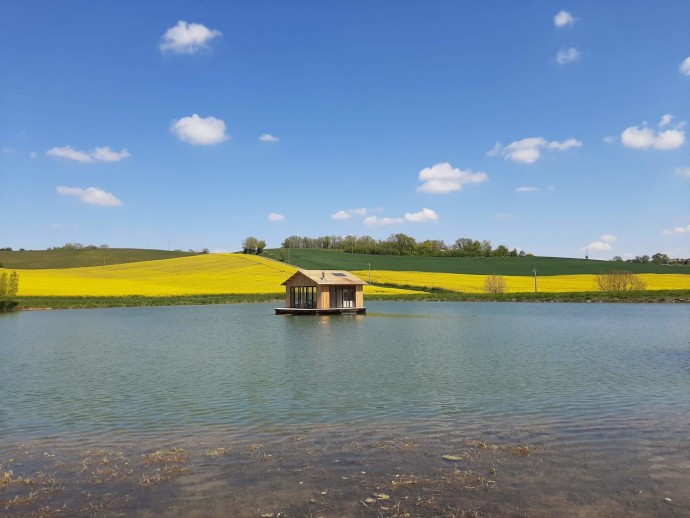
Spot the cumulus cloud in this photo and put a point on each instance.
(267, 137)
(527, 189)
(685, 67)
(528, 150)
(683, 171)
(91, 195)
(100, 154)
(645, 137)
(603, 244)
(274, 216)
(373, 221)
(443, 178)
(200, 131)
(563, 19)
(187, 38)
(347, 214)
(565, 56)
(677, 230)
(423, 216)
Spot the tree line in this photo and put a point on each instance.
(402, 244)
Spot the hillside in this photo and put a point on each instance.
(311, 258)
(205, 274)
(65, 258)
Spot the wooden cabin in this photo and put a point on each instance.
(322, 292)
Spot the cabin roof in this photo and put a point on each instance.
(329, 277)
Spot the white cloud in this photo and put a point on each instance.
(200, 131)
(528, 150)
(274, 216)
(683, 171)
(565, 56)
(665, 120)
(372, 221)
(187, 38)
(527, 189)
(267, 137)
(563, 19)
(647, 138)
(100, 154)
(91, 195)
(347, 214)
(565, 145)
(685, 66)
(423, 216)
(341, 214)
(604, 244)
(443, 178)
(677, 230)
(609, 139)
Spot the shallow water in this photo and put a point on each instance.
(599, 394)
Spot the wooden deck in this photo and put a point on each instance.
(323, 311)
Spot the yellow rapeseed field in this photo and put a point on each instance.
(196, 275)
(515, 284)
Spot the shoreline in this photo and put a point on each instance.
(85, 302)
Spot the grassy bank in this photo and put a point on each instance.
(661, 296)
(33, 303)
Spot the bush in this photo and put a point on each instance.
(495, 284)
(619, 280)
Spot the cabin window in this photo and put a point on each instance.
(303, 297)
(342, 297)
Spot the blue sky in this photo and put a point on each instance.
(552, 127)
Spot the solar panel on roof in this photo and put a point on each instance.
(338, 274)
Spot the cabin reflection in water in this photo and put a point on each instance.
(320, 292)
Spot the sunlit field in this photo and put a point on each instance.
(514, 284)
(200, 274)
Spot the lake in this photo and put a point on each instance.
(580, 407)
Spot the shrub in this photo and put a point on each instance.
(619, 280)
(495, 284)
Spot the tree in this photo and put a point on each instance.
(617, 258)
(9, 285)
(659, 258)
(619, 280)
(260, 245)
(250, 244)
(495, 284)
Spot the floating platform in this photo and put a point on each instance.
(322, 311)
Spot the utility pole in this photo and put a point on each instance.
(535, 279)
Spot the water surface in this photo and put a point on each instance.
(607, 378)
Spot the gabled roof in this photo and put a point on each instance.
(329, 277)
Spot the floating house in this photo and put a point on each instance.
(323, 292)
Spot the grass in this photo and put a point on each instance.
(41, 259)
(521, 266)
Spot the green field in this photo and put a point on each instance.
(61, 258)
(313, 259)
